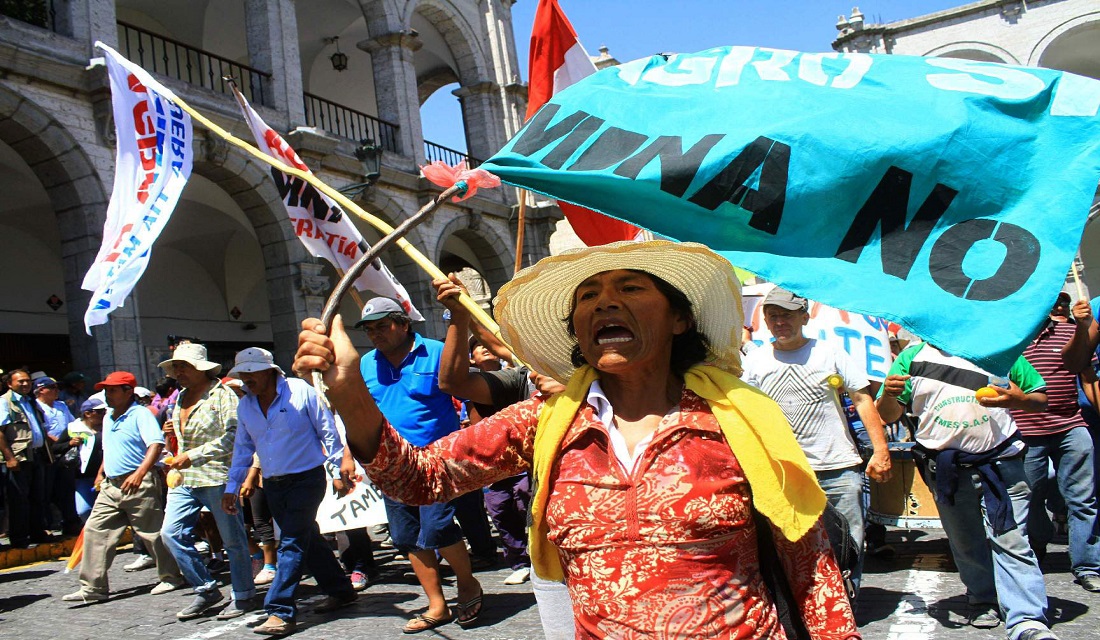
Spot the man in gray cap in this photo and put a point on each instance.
(795, 371)
(402, 374)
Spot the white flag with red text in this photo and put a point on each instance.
(153, 161)
(319, 222)
(557, 60)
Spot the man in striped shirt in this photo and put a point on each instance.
(1060, 436)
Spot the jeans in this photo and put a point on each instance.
(996, 569)
(844, 490)
(428, 527)
(181, 514)
(293, 500)
(506, 501)
(1072, 454)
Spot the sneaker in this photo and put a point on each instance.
(984, 617)
(141, 563)
(387, 543)
(165, 587)
(202, 602)
(1037, 634)
(519, 576)
(265, 576)
(332, 603)
(237, 608)
(84, 596)
(359, 580)
(1089, 582)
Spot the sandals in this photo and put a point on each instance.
(428, 622)
(465, 616)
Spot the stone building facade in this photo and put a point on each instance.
(227, 268)
(1054, 34)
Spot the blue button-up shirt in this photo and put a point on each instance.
(297, 434)
(127, 438)
(57, 418)
(29, 408)
(409, 396)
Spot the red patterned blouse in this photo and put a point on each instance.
(666, 551)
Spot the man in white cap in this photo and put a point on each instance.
(287, 425)
(794, 370)
(204, 421)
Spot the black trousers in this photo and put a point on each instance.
(25, 495)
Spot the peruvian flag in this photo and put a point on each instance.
(557, 61)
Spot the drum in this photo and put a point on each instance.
(905, 501)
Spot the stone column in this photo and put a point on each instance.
(481, 118)
(88, 21)
(272, 32)
(502, 45)
(395, 90)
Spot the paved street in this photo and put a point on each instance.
(915, 595)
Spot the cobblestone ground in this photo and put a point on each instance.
(912, 596)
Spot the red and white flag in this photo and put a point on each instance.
(319, 222)
(558, 60)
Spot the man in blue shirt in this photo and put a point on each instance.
(285, 423)
(26, 457)
(60, 478)
(132, 493)
(402, 374)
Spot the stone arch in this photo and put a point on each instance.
(79, 201)
(494, 253)
(461, 38)
(1061, 48)
(973, 50)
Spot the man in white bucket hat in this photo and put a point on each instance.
(284, 422)
(204, 421)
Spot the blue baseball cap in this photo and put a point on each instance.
(44, 381)
(91, 404)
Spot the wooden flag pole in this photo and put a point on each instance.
(1077, 279)
(479, 314)
(519, 230)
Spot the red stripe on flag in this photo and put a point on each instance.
(551, 37)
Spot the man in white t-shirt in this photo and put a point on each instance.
(795, 370)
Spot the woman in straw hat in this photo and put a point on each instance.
(647, 468)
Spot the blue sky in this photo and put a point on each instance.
(635, 28)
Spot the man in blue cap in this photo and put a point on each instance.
(60, 476)
(402, 374)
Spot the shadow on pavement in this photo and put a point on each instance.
(1060, 610)
(20, 601)
(10, 576)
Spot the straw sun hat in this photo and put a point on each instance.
(531, 307)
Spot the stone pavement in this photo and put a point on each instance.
(914, 596)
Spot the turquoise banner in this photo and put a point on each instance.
(947, 195)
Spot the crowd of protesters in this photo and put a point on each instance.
(212, 472)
